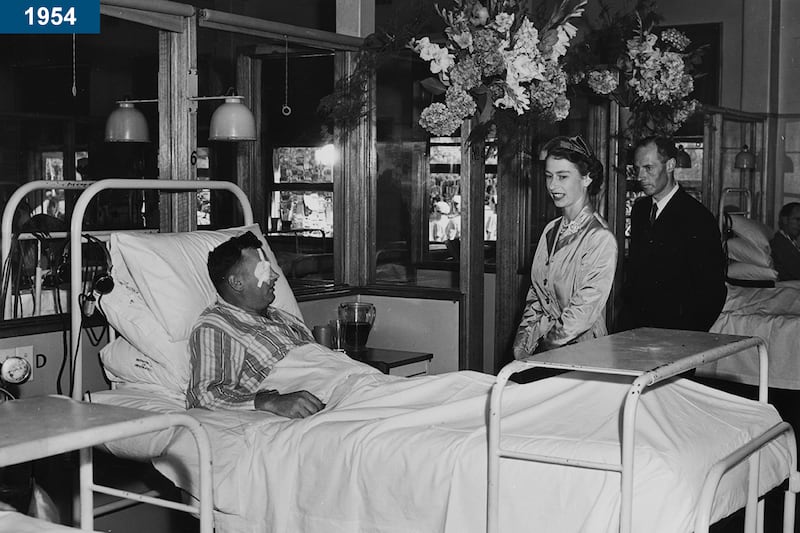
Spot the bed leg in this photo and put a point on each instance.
(789, 500)
(751, 513)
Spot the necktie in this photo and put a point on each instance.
(653, 211)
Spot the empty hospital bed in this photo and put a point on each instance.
(396, 454)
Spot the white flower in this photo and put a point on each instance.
(522, 68)
(527, 36)
(463, 40)
(565, 32)
(441, 59)
(516, 98)
(503, 22)
(480, 15)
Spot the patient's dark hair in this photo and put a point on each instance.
(223, 258)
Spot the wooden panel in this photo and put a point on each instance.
(471, 260)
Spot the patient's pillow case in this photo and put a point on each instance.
(161, 287)
(169, 270)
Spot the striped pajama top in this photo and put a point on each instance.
(233, 350)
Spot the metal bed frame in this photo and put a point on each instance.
(650, 355)
(76, 434)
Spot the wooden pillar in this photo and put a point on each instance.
(249, 155)
(354, 182)
(514, 180)
(355, 177)
(177, 124)
(470, 346)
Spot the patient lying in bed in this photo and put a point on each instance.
(237, 341)
(387, 453)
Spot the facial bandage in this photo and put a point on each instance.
(263, 270)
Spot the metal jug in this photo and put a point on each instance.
(358, 318)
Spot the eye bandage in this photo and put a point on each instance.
(263, 270)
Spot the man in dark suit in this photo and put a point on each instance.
(675, 277)
(785, 252)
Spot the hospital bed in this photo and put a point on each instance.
(44, 426)
(396, 454)
(756, 305)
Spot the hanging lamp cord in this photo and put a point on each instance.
(286, 110)
(74, 77)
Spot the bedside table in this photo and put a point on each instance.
(396, 362)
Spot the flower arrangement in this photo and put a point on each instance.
(652, 73)
(495, 60)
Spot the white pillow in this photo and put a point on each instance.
(167, 366)
(752, 230)
(746, 251)
(170, 272)
(737, 270)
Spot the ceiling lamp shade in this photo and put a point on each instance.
(232, 121)
(745, 159)
(126, 124)
(682, 158)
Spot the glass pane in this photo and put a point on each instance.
(419, 208)
(301, 233)
(303, 164)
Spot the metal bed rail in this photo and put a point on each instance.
(7, 221)
(660, 371)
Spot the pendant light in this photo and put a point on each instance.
(745, 159)
(682, 158)
(231, 121)
(126, 124)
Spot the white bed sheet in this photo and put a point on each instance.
(13, 522)
(390, 454)
(772, 314)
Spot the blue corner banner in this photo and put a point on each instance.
(49, 16)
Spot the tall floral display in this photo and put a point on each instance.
(650, 72)
(493, 60)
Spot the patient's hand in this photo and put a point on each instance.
(298, 404)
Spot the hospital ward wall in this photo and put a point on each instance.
(48, 349)
(414, 324)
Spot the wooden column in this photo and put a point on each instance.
(177, 124)
(470, 344)
(615, 160)
(354, 181)
(355, 178)
(514, 180)
(249, 155)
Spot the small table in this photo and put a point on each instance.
(44, 426)
(396, 362)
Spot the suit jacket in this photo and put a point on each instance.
(676, 267)
(786, 257)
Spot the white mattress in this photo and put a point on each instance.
(772, 314)
(397, 455)
(12, 522)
